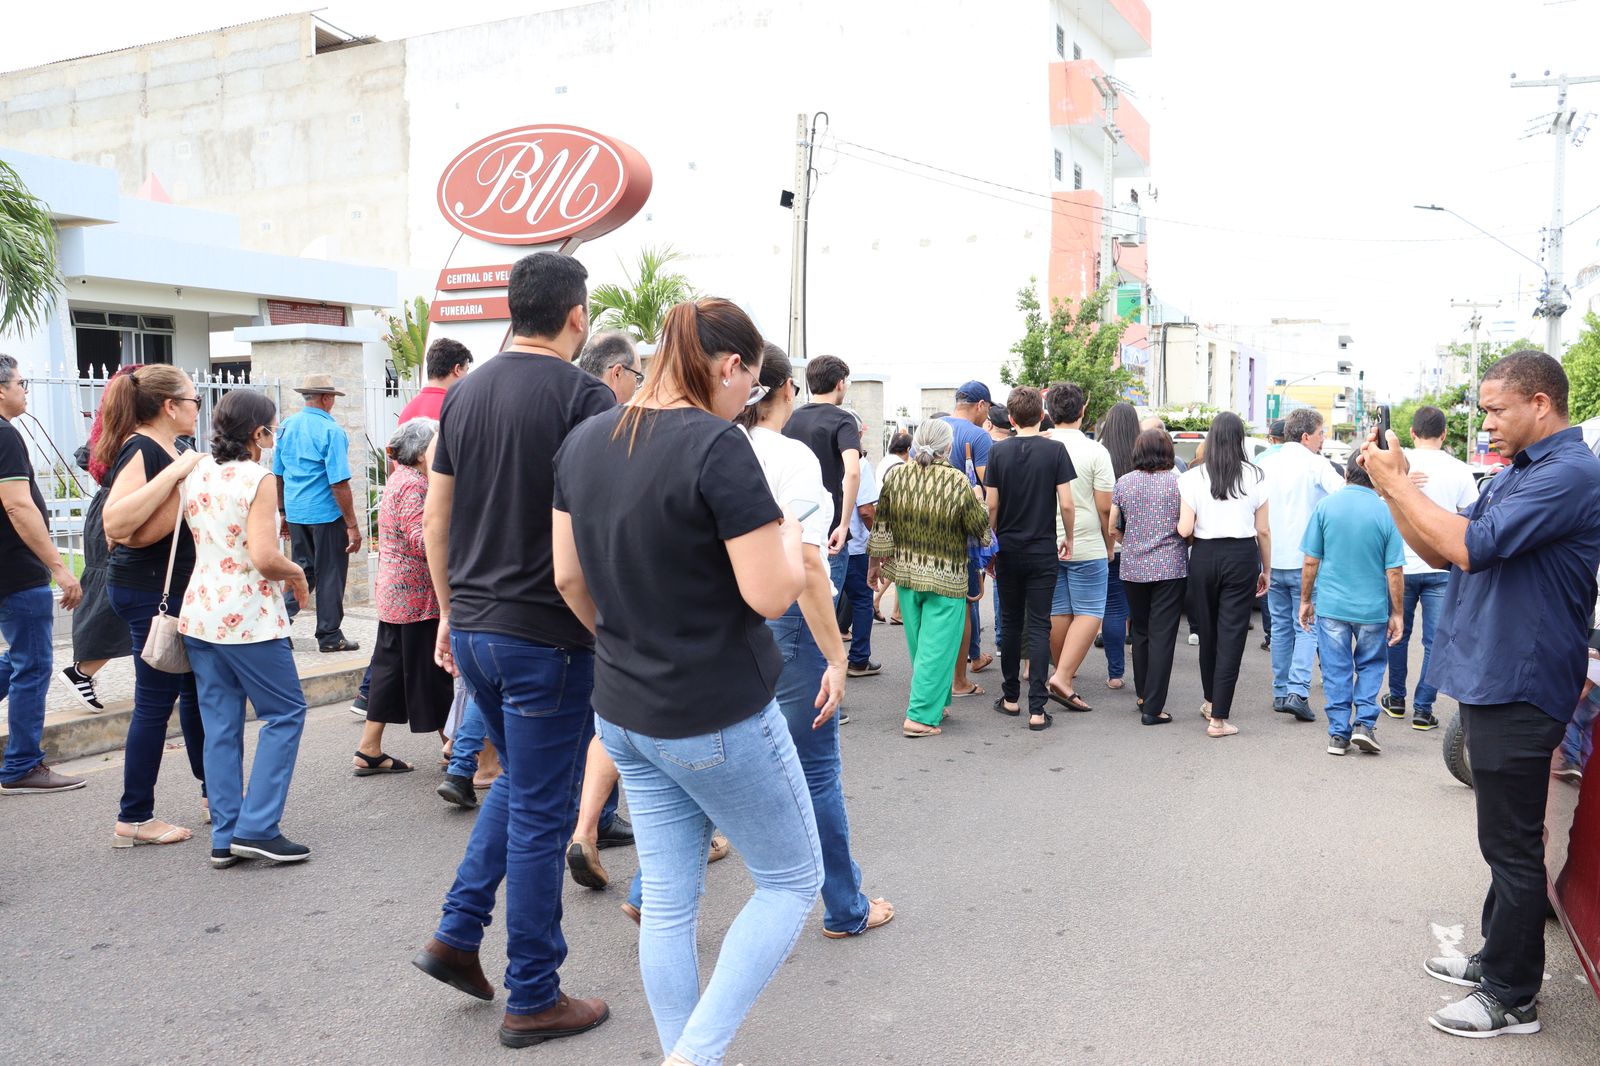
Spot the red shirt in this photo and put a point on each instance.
(427, 404)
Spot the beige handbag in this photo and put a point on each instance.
(163, 648)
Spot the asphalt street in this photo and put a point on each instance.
(1098, 893)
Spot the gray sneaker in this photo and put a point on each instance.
(1481, 1015)
(1338, 745)
(1300, 707)
(1456, 969)
(1365, 739)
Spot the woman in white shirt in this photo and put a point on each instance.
(1224, 510)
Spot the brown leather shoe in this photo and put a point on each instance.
(583, 861)
(567, 1018)
(41, 779)
(456, 968)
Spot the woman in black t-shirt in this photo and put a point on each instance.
(669, 545)
(142, 416)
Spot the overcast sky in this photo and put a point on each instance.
(1290, 142)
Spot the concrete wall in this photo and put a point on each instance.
(246, 120)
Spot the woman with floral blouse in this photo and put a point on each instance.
(408, 687)
(236, 630)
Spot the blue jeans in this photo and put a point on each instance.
(1293, 649)
(1429, 588)
(997, 613)
(844, 905)
(1578, 742)
(226, 675)
(467, 742)
(1353, 658)
(1114, 626)
(975, 577)
(747, 780)
(838, 569)
(154, 692)
(27, 621)
(535, 706)
(859, 594)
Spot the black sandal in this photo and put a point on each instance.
(340, 645)
(1042, 725)
(1071, 701)
(1000, 705)
(1159, 718)
(375, 765)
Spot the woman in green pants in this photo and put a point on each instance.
(926, 514)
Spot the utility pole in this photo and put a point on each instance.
(801, 206)
(1476, 321)
(1554, 303)
(1108, 97)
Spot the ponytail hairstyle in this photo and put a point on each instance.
(98, 470)
(133, 399)
(776, 374)
(1225, 461)
(933, 441)
(235, 421)
(692, 335)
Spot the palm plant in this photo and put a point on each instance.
(640, 306)
(29, 275)
(408, 337)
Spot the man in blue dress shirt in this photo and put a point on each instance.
(312, 459)
(1511, 649)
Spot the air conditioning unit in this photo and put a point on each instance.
(1128, 225)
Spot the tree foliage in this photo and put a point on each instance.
(1073, 346)
(408, 338)
(30, 278)
(1453, 401)
(640, 306)
(1582, 362)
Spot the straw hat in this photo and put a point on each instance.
(318, 385)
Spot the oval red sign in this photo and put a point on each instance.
(543, 184)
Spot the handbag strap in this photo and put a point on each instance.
(172, 554)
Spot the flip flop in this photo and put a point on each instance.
(918, 734)
(981, 663)
(885, 919)
(1070, 700)
(1000, 705)
(375, 765)
(975, 690)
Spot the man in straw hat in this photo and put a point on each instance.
(312, 459)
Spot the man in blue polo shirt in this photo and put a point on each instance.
(1354, 561)
(1511, 649)
(312, 459)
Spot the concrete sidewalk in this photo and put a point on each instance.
(72, 731)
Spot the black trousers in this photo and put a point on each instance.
(1155, 609)
(1027, 584)
(1222, 586)
(320, 551)
(1509, 747)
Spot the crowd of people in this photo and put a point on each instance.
(682, 581)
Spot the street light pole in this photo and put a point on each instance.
(1472, 396)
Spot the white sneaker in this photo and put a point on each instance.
(1481, 1015)
(1194, 640)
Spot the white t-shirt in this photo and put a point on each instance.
(866, 494)
(1297, 479)
(1450, 485)
(1091, 465)
(1216, 519)
(795, 478)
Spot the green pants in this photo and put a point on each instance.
(934, 625)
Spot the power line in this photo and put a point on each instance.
(1034, 193)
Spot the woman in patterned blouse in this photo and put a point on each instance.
(927, 513)
(408, 687)
(236, 630)
(1155, 566)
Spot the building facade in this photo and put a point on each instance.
(332, 147)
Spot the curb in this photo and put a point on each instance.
(81, 733)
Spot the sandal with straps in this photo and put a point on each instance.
(175, 835)
(375, 765)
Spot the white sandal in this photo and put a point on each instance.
(169, 837)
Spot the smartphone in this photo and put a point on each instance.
(1383, 426)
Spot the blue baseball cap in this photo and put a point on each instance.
(972, 392)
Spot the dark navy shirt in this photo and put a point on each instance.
(1515, 628)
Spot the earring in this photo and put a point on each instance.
(726, 382)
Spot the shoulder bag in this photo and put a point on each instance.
(163, 648)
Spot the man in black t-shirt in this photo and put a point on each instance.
(834, 438)
(528, 662)
(27, 610)
(1028, 484)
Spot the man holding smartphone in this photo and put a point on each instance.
(1511, 649)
